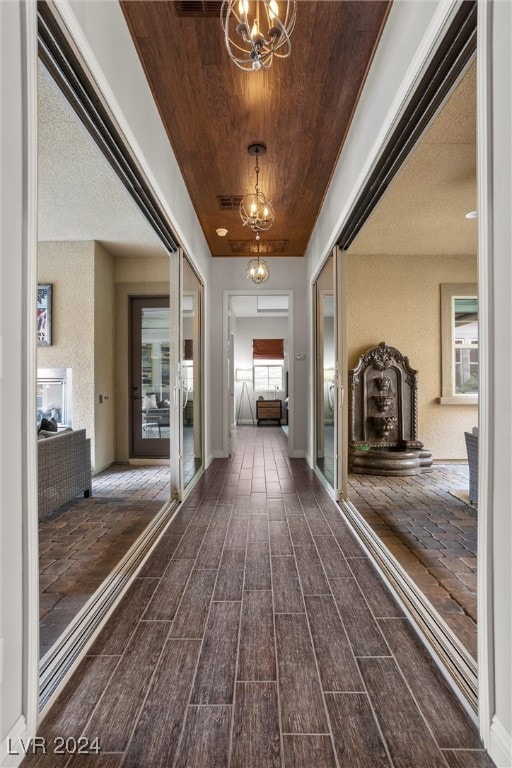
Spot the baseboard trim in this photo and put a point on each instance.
(60, 662)
(500, 747)
(11, 750)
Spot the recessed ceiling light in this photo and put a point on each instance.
(471, 215)
(221, 232)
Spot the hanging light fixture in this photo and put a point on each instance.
(255, 210)
(257, 269)
(244, 23)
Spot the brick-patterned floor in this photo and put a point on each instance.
(81, 542)
(432, 534)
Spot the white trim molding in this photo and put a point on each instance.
(500, 746)
(485, 619)
(29, 438)
(12, 750)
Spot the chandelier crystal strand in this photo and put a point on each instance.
(257, 30)
(256, 210)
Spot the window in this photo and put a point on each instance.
(188, 375)
(54, 395)
(465, 334)
(268, 363)
(459, 344)
(268, 376)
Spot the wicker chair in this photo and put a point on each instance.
(64, 469)
(472, 449)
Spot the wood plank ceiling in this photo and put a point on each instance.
(300, 109)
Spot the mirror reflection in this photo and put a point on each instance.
(413, 267)
(325, 373)
(96, 252)
(191, 374)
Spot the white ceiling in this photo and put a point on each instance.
(422, 212)
(259, 306)
(80, 196)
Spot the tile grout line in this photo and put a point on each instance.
(277, 681)
(393, 656)
(237, 659)
(326, 709)
(164, 643)
(365, 689)
(194, 676)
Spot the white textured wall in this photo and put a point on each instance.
(397, 299)
(129, 269)
(104, 335)
(70, 268)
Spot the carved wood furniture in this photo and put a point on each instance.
(384, 415)
(268, 410)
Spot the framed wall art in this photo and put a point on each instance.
(44, 315)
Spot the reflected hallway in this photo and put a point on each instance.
(428, 525)
(82, 541)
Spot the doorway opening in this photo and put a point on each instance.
(258, 335)
(150, 377)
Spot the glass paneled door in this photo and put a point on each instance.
(191, 375)
(150, 377)
(330, 453)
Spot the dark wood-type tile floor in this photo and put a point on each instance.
(80, 543)
(432, 534)
(258, 635)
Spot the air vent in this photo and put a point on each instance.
(199, 8)
(229, 202)
(250, 247)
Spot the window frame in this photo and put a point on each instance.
(267, 364)
(449, 292)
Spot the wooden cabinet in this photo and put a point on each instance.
(268, 410)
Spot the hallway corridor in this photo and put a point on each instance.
(258, 635)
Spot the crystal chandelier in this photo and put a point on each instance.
(257, 269)
(255, 210)
(244, 23)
